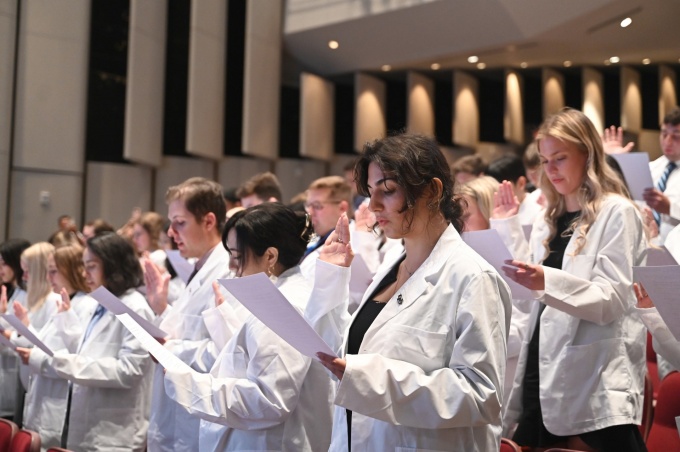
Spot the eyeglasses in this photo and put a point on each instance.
(675, 135)
(319, 205)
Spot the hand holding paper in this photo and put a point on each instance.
(28, 334)
(662, 285)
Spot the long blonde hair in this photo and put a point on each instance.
(572, 126)
(34, 258)
(481, 190)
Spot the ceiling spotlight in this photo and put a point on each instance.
(333, 44)
(481, 65)
(646, 61)
(614, 59)
(523, 65)
(473, 59)
(435, 66)
(625, 22)
(386, 68)
(567, 63)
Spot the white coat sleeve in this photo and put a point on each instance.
(121, 371)
(466, 392)
(200, 354)
(69, 328)
(604, 292)
(41, 363)
(263, 397)
(224, 320)
(326, 310)
(665, 343)
(511, 233)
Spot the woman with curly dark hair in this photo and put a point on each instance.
(423, 358)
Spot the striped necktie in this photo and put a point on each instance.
(661, 186)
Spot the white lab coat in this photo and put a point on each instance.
(46, 397)
(592, 362)
(665, 343)
(171, 428)
(37, 320)
(261, 394)
(111, 376)
(430, 371)
(9, 361)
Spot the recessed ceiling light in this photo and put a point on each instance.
(333, 44)
(607, 62)
(625, 22)
(523, 64)
(386, 68)
(567, 63)
(481, 65)
(646, 61)
(435, 66)
(473, 59)
(614, 59)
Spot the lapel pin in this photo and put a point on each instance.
(400, 299)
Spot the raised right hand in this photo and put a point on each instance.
(156, 287)
(505, 203)
(337, 249)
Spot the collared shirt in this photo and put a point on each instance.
(668, 222)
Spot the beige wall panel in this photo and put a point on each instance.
(8, 18)
(317, 115)
(491, 151)
(30, 219)
(369, 109)
(112, 190)
(262, 74)
(207, 53)
(143, 141)
(295, 175)
(465, 109)
(52, 84)
(668, 96)
(420, 118)
(338, 164)
(175, 170)
(513, 118)
(631, 100)
(553, 92)
(648, 140)
(233, 171)
(593, 97)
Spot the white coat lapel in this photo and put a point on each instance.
(97, 328)
(418, 283)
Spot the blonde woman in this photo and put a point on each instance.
(46, 398)
(580, 376)
(478, 194)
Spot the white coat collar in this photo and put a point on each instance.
(418, 283)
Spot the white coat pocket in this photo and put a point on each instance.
(423, 348)
(587, 364)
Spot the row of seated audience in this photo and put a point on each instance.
(433, 350)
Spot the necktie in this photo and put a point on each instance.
(98, 313)
(661, 186)
(193, 273)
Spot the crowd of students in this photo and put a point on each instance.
(433, 350)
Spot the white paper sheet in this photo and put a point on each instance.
(28, 334)
(663, 286)
(657, 257)
(635, 167)
(360, 275)
(183, 268)
(489, 245)
(117, 307)
(7, 343)
(162, 355)
(261, 297)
